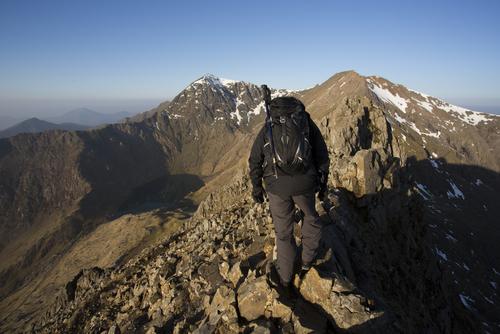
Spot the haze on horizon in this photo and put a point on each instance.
(121, 55)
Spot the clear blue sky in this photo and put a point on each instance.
(91, 50)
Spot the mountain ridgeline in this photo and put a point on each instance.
(34, 124)
(409, 242)
(77, 119)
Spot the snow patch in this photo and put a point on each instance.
(213, 81)
(466, 300)
(441, 254)
(471, 117)
(236, 113)
(174, 116)
(227, 82)
(426, 96)
(434, 163)
(423, 191)
(466, 115)
(426, 105)
(282, 92)
(450, 237)
(386, 96)
(258, 109)
(400, 119)
(488, 300)
(456, 192)
(414, 127)
(433, 134)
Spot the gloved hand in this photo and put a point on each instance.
(258, 195)
(323, 180)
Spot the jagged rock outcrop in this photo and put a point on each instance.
(361, 146)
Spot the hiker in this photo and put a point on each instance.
(299, 170)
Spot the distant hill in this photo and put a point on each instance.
(7, 121)
(34, 124)
(88, 117)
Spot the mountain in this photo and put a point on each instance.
(413, 183)
(33, 125)
(89, 117)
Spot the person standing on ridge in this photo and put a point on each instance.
(290, 155)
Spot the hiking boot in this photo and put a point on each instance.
(273, 277)
(286, 290)
(288, 294)
(304, 269)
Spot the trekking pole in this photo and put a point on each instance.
(269, 123)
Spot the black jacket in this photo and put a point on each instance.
(285, 185)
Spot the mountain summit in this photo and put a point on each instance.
(413, 190)
(216, 99)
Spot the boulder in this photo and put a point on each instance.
(276, 309)
(368, 172)
(252, 298)
(314, 287)
(235, 274)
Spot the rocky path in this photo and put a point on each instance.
(210, 277)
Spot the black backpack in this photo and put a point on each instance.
(290, 131)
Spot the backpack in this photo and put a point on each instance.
(290, 131)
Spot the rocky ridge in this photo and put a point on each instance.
(375, 272)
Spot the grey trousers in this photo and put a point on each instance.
(283, 220)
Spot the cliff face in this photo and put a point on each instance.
(450, 156)
(375, 272)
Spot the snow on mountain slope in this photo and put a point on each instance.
(462, 135)
(416, 101)
(220, 99)
(453, 155)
